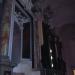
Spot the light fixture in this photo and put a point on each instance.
(74, 72)
(51, 57)
(52, 65)
(50, 51)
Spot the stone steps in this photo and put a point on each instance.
(18, 73)
(25, 67)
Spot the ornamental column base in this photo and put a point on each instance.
(5, 66)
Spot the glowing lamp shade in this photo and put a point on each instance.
(52, 65)
(73, 72)
(50, 51)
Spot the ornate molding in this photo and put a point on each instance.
(42, 8)
(20, 18)
(20, 14)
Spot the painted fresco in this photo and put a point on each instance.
(5, 37)
(5, 27)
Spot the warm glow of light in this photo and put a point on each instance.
(52, 65)
(50, 51)
(51, 57)
(73, 72)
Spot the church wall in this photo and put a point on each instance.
(67, 34)
(6, 22)
(64, 16)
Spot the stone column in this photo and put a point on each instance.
(21, 38)
(5, 66)
(38, 40)
(35, 45)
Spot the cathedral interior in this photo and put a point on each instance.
(37, 37)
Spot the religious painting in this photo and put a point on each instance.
(5, 37)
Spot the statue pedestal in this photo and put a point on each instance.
(5, 66)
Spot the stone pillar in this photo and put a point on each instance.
(35, 44)
(5, 66)
(38, 40)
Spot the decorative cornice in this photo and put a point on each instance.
(44, 10)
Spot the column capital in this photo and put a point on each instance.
(21, 27)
